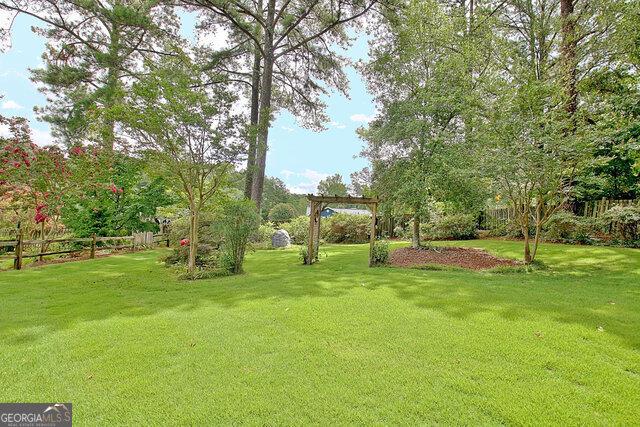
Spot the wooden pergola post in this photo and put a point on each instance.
(314, 231)
(317, 204)
(372, 236)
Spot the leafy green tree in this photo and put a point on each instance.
(293, 40)
(530, 159)
(275, 192)
(33, 180)
(361, 182)
(333, 186)
(423, 74)
(610, 112)
(526, 126)
(282, 212)
(186, 131)
(111, 195)
(95, 49)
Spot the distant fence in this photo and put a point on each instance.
(495, 217)
(596, 208)
(16, 249)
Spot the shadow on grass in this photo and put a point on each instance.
(585, 286)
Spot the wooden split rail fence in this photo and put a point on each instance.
(91, 244)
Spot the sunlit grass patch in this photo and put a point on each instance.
(338, 342)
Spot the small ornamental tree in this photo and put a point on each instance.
(33, 179)
(112, 195)
(187, 132)
(531, 159)
(282, 212)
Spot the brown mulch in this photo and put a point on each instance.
(475, 259)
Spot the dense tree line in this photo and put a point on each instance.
(123, 85)
(534, 102)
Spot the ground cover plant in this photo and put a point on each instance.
(128, 343)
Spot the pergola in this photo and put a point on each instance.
(318, 203)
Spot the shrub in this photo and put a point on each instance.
(262, 236)
(344, 228)
(456, 227)
(238, 222)
(206, 256)
(282, 212)
(567, 227)
(298, 229)
(623, 222)
(380, 253)
(562, 225)
(304, 253)
(179, 230)
(499, 230)
(402, 232)
(586, 230)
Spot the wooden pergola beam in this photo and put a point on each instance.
(344, 199)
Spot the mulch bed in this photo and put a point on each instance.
(475, 259)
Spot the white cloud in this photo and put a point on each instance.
(215, 40)
(287, 128)
(337, 125)
(306, 188)
(42, 137)
(38, 136)
(287, 173)
(11, 105)
(363, 118)
(4, 131)
(313, 175)
(308, 180)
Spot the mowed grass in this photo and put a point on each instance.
(335, 343)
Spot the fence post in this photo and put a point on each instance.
(93, 246)
(17, 263)
(167, 240)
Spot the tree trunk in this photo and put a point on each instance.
(43, 246)
(539, 219)
(253, 131)
(193, 239)
(110, 90)
(527, 248)
(525, 233)
(536, 242)
(415, 238)
(264, 121)
(568, 60)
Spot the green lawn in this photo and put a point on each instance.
(291, 344)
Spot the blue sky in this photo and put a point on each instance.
(298, 156)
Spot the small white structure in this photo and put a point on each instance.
(329, 211)
(280, 239)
